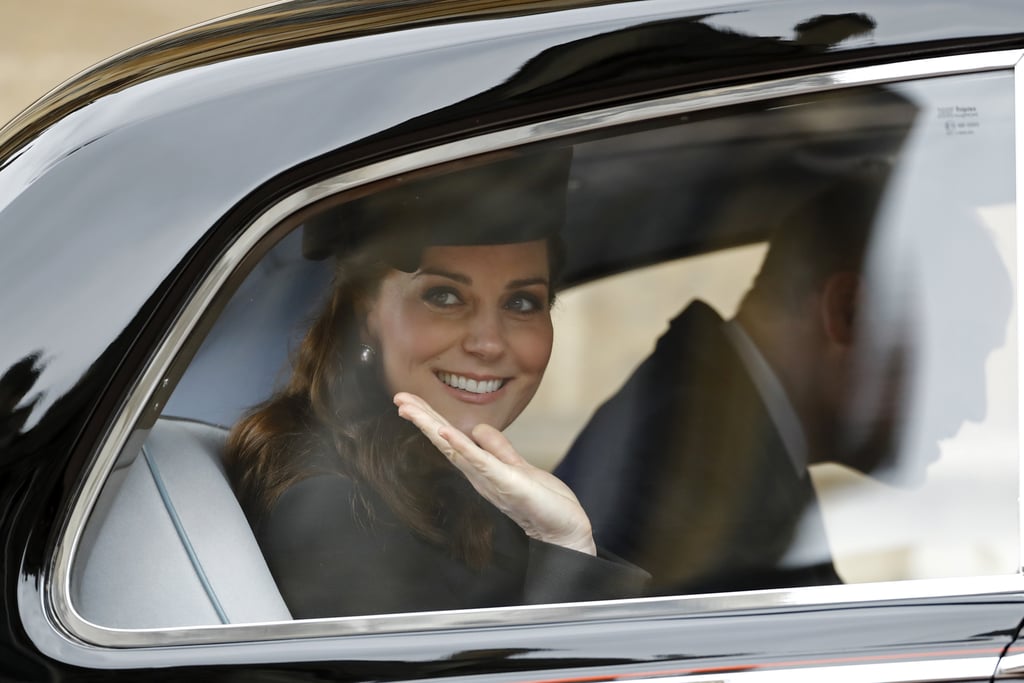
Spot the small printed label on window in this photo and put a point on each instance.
(959, 119)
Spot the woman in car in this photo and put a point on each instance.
(378, 480)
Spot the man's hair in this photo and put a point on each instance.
(826, 233)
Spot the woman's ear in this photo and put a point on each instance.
(366, 311)
(840, 297)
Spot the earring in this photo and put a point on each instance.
(367, 356)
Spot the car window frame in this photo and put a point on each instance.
(79, 641)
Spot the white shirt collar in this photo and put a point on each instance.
(773, 394)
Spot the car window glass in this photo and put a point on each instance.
(782, 353)
(940, 282)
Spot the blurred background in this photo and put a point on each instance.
(45, 42)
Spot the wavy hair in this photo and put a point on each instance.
(334, 406)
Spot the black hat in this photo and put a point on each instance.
(515, 199)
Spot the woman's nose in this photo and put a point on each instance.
(485, 337)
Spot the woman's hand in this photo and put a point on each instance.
(537, 501)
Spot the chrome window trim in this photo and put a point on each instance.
(76, 640)
(902, 672)
(425, 632)
(1013, 665)
(1018, 149)
(970, 668)
(1010, 666)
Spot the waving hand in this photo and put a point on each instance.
(544, 507)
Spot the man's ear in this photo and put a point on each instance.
(839, 301)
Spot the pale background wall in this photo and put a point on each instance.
(45, 42)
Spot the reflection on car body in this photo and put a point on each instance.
(157, 288)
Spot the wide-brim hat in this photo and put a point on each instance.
(518, 198)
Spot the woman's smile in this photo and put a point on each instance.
(465, 383)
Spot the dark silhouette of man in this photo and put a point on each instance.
(696, 469)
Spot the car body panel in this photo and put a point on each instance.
(118, 192)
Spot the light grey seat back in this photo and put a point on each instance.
(171, 546)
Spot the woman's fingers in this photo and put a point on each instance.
(432, 423)
(543, 506)
(451, 441)
(470, 455)
(406, 400)
(486, 453)
(496, 443)
(427, 423)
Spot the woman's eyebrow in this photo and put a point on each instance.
(466, 280)
(527, 282)
(458, 277)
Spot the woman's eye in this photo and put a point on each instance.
(523, 303)
(442, 297)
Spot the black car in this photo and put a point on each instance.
(823, 484)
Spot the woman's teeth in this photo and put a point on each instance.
(484, 386)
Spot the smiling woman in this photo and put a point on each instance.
(356, 510)
(469, 331)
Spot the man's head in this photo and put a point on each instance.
(836, 311)
(802, 311)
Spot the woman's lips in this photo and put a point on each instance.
(472, 389)
(470, 384)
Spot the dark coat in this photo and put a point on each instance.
(684, 473)
(336, 549)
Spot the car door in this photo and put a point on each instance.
(878, 541)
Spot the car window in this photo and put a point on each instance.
(938, 287)
(783, 353)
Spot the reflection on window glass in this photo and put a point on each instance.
(777, 349)
(851, 416)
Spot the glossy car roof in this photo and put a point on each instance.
(827, 26)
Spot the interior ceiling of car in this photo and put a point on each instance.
(727, 180)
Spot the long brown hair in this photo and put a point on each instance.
(338, 411)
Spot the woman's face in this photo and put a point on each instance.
(469, 332)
